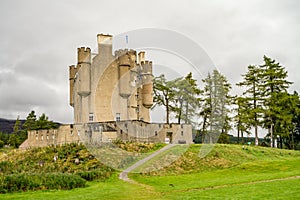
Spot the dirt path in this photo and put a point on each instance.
(124, 174)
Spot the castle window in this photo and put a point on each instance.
(36, 135)
(71, 132)
(42, 137)
(91, 117)
(181, 133)
(181, 125)
(47, 137)
(118, 117)
(155, 133)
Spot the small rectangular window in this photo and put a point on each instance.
(118, 117)
(91, 117)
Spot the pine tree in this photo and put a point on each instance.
(274, 90)
(16, 129)
(186, 93)
(30, 123)
(215, 108)
(241, 117)
(164, 94)
(253, 97)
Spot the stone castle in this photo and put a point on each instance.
(111, 96)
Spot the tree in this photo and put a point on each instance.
(274, 90)
(186, 94)
(252, 97)
(44, 123)
(215, 109)
(30, 123)
(241, 118)
(294, 138)
(164, 94)
(16, 129)
(14, 140)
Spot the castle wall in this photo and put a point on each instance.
(63, 135)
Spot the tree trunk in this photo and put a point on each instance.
(242, 134)
(167, 110)
(180, 111)
(280, 138)
(238, 135)
(203, 128)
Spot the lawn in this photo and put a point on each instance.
(229, 172)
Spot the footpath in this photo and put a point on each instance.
(124, 174)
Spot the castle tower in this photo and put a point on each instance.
(84, 71)
(72, 73)
(98, 76)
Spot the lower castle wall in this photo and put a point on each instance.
(108, 131)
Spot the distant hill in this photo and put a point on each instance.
(7, 125)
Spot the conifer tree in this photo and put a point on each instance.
(274, 91)
(253, 98)
(164, 94)
(215, 108)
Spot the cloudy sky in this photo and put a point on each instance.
(39, 41)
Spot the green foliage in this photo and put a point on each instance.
(179, 96)
(25, 182)
(163, 94)
(250, 106)
(187, 98)
(17, 125)
(41, 160)
(223, 139)
(14, 140)
(44, 123)
(215, 108)
(30, 123)
(138, 147)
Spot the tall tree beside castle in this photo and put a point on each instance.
(270, 104)
(30, 123)
(179, 96)
(164, 94)
(274, 90)
(253, 98)
(242, 121)
(187, 99)
(215, 108)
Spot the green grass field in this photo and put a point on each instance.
(228, 172)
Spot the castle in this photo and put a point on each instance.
(111, 96)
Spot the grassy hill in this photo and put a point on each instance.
(227, 172)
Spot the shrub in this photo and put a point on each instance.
(25, 182)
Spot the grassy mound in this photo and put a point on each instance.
(222, 156)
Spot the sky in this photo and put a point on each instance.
(39, 41)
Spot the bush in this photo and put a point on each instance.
(25, 182)
(94, 175)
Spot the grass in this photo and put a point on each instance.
(228, 172)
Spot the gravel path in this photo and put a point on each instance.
(124, 174)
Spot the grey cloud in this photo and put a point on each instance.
(39, 40)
